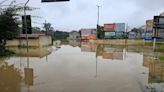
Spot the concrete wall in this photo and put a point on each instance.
(45, 40)
(121, 42)
(41, 41)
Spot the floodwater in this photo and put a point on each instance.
(84, 67)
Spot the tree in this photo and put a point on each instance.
(61, 35)
(8, 25)
(47, 27)
(135, 30)
(36, 29)
(100, 32)
(9, 21)
(138, 30)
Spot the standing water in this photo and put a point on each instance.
(84, 67)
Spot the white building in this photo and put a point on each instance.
(74, 35)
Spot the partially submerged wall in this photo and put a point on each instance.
(40, 41)
(121, 42)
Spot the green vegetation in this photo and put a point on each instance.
(47, 26)
(9, 26)
(36, 29)
(138, 30)
(100, 32)
(59, 35)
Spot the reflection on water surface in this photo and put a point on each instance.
(84, 67)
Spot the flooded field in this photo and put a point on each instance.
(84, 67)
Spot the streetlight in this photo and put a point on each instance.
(98, 14)
(98, 17)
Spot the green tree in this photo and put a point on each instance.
(100, 32)
(9, 21)
(36, 29)
(47, 27)
(61, 35)
(138, 30)
(135, 30)
(8, 25)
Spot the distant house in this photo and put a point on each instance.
(114, 30)
(74, 35)
(88, 33)
(132, 35)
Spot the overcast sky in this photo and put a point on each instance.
(78, 14)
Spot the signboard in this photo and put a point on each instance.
(159, 22)
(149, 25)
(109, 27)
(54, 0)
(120, 27)
(28, 24)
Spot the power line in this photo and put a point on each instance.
(3, 1)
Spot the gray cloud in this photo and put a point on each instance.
(77, 14)
(150, 5)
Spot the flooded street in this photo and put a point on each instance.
(81, 46)
(84, 67)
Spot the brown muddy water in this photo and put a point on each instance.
(84, 67)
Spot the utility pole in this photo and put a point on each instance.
(98, 17)
(98, 14)
(25, 24)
